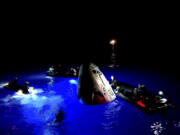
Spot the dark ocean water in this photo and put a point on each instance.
(33, 114)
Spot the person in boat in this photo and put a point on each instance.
(59, 116)
(113, 82)
(135, 93)
(62, 68)
(25, 88)
(142, 90)
(74, 71)
(51, 69)
(13, 83)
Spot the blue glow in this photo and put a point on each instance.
(72, 81)
(36, 111)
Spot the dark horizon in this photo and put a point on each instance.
(149, 46)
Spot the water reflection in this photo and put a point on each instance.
(111, 113)
(51, 80)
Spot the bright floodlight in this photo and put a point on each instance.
(113, 42)
(161, 92)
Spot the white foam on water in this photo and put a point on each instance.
(36, 106)
(3, 84)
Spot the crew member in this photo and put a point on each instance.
(13, 83)
(25, 88)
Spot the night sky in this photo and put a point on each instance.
(150, 43)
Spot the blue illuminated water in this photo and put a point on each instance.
(34, 114)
